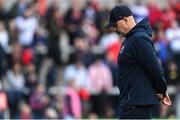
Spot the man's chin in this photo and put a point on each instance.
(109, 30)
(120, 34)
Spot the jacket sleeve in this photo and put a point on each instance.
(146, 57)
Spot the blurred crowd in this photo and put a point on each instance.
(61, 64)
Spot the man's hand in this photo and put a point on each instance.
(164, 99)
(167, 100)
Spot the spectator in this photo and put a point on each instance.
(27, 56)
(15, 55)
(3, 65)
(27, 26)
(90, 31)
(39, 101)
(100, 80)
(42, 7)
(175, 7)
(77, 72)
(54, 25)
(101, 16)
(31, 78)
(110, 43)
(4, 41)
(173, 37)
(25, 112)
(161, 46)
(73, 19)
(3, 104)
(18, 9)
(154, 13)
(72, 107)
(16, 78)
(89, 12)
(40, 45)
(100, 77)
(83, 49)
(3, 13)
(53, 6)
(139, 11)
(40, 39)
(172, 74)
(16, 84)
(50, 113)
(59, 105)
(168, 16)
(51, 76)
(13, 33)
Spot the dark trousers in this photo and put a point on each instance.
(136, 112)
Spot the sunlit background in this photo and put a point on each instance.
(57, 62)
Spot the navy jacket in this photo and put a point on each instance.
(140, 75)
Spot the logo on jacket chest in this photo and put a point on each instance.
(122, 49)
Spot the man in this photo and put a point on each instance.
(141, 78)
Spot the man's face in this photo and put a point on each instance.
(120, 27)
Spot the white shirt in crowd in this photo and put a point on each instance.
(173, 37)
(77, 74)
(26, 28)
(4, 39)
(15, 82)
